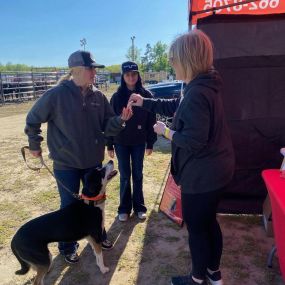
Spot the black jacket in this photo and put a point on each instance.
(202, 153)
(139, 129)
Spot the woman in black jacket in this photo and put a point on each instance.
(202, 161)
(136, 139)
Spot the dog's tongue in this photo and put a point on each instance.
(112, 174)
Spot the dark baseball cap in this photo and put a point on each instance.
(83, 58)
(129, 66)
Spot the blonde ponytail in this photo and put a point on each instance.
(67, 76)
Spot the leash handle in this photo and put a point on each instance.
(76, 196)
(24, 157)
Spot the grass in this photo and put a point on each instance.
(145, 253)
(11, 216)
(47, 200)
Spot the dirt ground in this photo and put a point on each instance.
(145, 253)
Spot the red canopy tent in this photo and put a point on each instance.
(204, 8)
(249, 53)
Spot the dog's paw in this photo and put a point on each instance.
(104, 269)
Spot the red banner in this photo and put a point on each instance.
(204, 8)
(171, 201)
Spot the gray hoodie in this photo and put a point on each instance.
(76, 125)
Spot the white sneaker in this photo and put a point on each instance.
(123, 217)
(215, 278)
(141, 215)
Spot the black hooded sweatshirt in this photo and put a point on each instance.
(139, 128)
(202, 153)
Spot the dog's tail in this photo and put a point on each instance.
(25, 267)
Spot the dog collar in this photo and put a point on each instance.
(96, 200)
(93, 203)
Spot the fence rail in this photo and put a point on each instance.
(22, 86)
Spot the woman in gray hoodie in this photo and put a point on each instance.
(79, 117)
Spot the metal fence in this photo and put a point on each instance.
(21, 86)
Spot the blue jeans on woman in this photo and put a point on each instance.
(70, 179)
(130, 159)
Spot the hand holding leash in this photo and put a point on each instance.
(36, 153)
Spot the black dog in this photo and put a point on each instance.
(82, 219)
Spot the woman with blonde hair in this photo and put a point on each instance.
(202, 160)
(78, 117)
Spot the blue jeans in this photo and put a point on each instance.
(130, 160)
(71, 179)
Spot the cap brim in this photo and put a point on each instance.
(130, 71)
(94, 64)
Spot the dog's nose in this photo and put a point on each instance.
(111, 162)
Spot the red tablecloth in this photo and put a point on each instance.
(276, 189)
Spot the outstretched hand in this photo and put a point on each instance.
(127, 113)
(135, 100)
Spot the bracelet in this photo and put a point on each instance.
(166, 132)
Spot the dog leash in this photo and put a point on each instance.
(76, 196)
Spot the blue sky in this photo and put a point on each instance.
(45, 32)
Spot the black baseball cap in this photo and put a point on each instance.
(129, 66)
(83, 58)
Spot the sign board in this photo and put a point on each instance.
(170, 203)
(204, 8)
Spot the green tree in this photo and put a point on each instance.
(156, 58)
(147, 59)
(23, 67)
(160, 60)
(116, 68)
